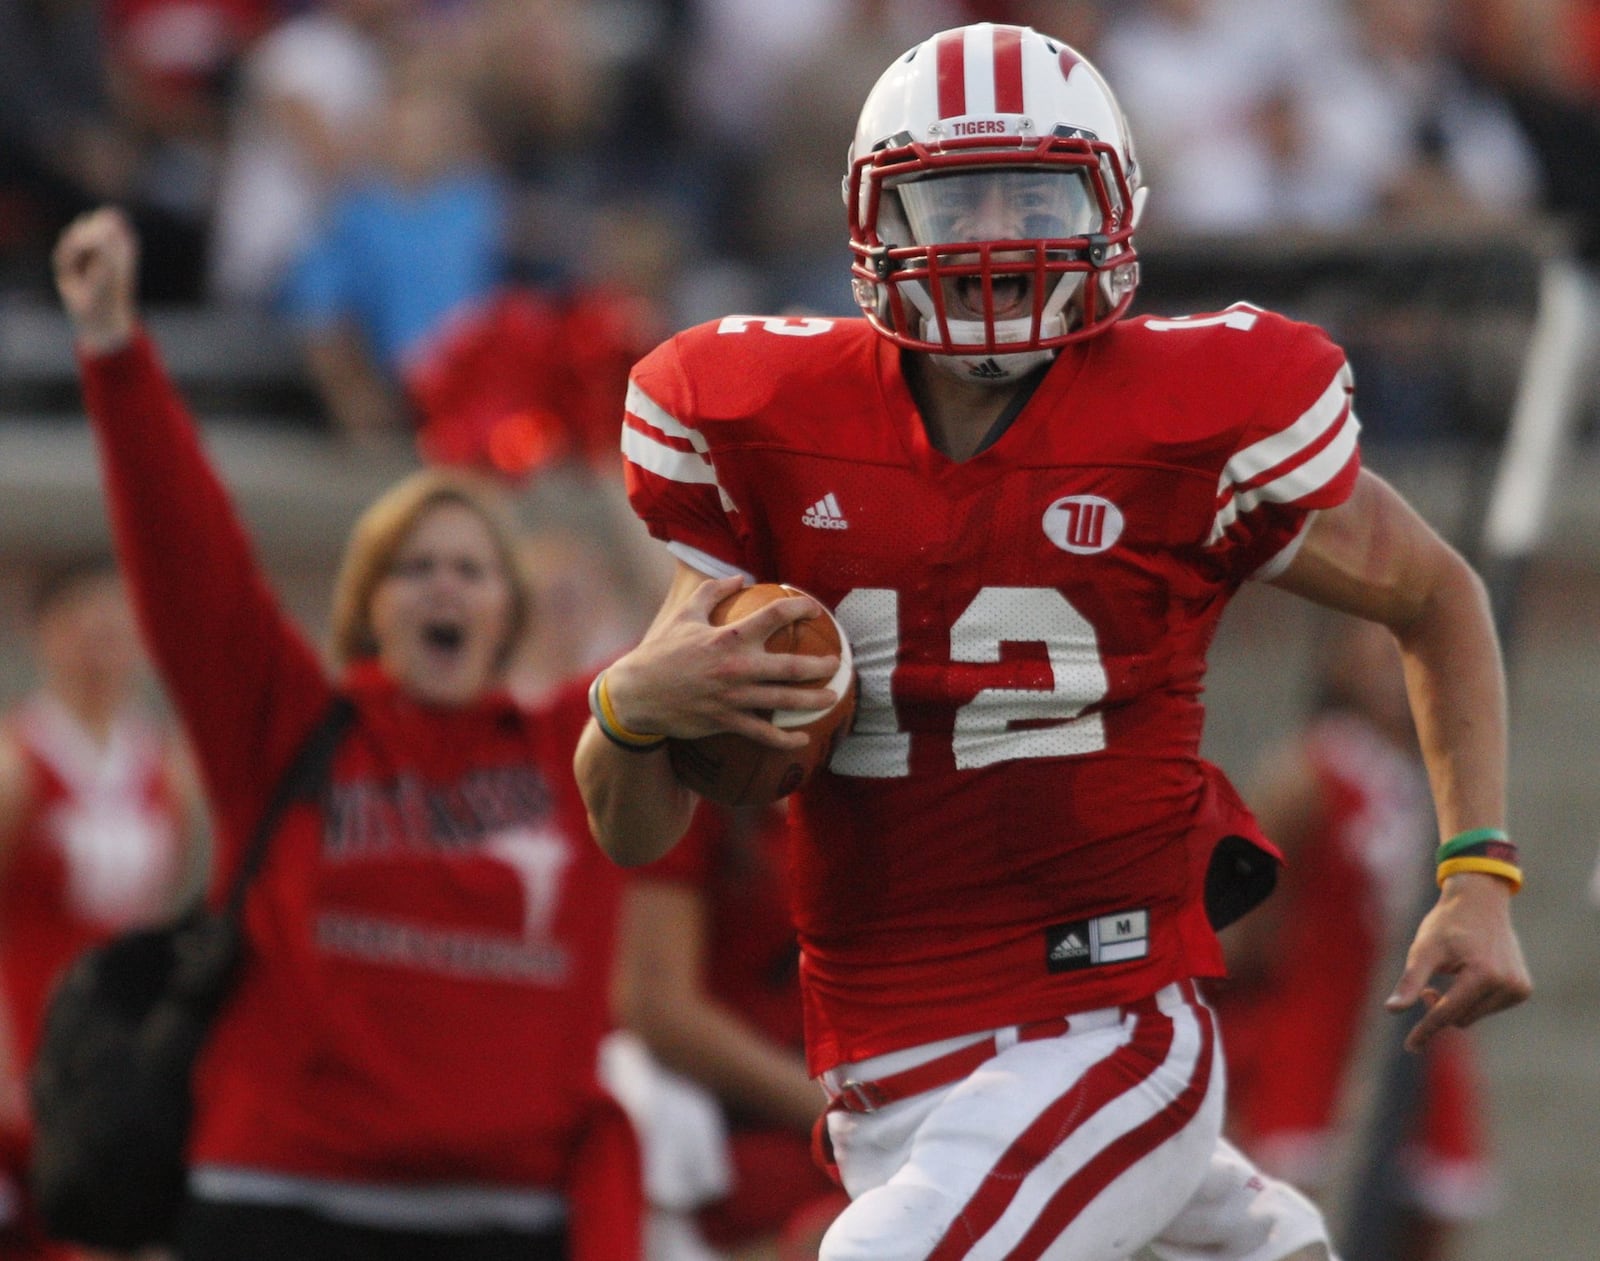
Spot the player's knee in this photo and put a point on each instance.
(893, 1222)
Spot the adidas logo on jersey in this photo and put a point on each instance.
(988, 370)
(825, 515)
(1071, 946)
(1084, 943)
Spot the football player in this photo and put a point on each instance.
(1028, 511)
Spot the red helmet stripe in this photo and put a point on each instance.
(1008, 70)
(952, 74)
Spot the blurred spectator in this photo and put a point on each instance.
(1312, 114)
(537, 78)
(1461, 153)
(1330, 116)
(120, 101)
(175, 62)
(307, 110)
(525, 380)
(407, 1063)
(404, 244)
(1347, 801)
(587, 608)
(99, 827)
(569, 92)
(1555, 101)
(60, 142)
(1191, 74)
(777, 237)
(711, 984)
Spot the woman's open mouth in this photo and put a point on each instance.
(444, 637)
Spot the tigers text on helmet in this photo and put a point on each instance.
(991, 172)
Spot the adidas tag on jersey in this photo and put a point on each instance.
(1113, 938)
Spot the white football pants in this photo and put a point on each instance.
(1083, 1147)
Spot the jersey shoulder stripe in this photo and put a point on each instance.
(1294, 464)
(657, 442)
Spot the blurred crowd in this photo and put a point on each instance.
(473, 214)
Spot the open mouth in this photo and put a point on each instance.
(1012, 296)
(444, 636)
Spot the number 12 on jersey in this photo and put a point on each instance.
(985, 730)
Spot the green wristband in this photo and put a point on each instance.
(1466, 840)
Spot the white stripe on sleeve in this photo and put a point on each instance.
(1314, 474)
(1316, 420)
(711, 566)
(1331, 411)
(639, 447)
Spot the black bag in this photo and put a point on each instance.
(125, 1023)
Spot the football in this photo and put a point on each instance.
(739, 772)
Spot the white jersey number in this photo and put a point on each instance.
(783, 326)
(1241, 316)
(984, 728)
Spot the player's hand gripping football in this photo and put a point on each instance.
(1468, 938)
(96, 269)
(687, 678)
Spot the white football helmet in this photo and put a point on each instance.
(991, 173)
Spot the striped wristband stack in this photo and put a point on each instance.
(1485, 850)
(606, 719)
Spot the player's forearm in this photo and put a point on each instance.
(1457, 687)
(1376, 558)
(637, 808)
(711, 1045)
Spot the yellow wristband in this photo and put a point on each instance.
(615, 728)
(1508, 872)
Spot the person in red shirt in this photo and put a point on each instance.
(99, 827)
(711, 984)
(1346, 800)
(406, 1066)
(1028, 511)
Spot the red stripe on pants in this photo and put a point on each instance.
(1107, 1081)
(1099, 1173)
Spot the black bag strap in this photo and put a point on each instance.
(304, 775)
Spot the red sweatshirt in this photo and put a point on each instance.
(430, 945)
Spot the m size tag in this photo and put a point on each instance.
(1083, 943)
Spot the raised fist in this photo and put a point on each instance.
(97, 271)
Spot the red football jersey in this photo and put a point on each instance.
(1020, 821)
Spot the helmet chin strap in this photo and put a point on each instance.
(1001, 368)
